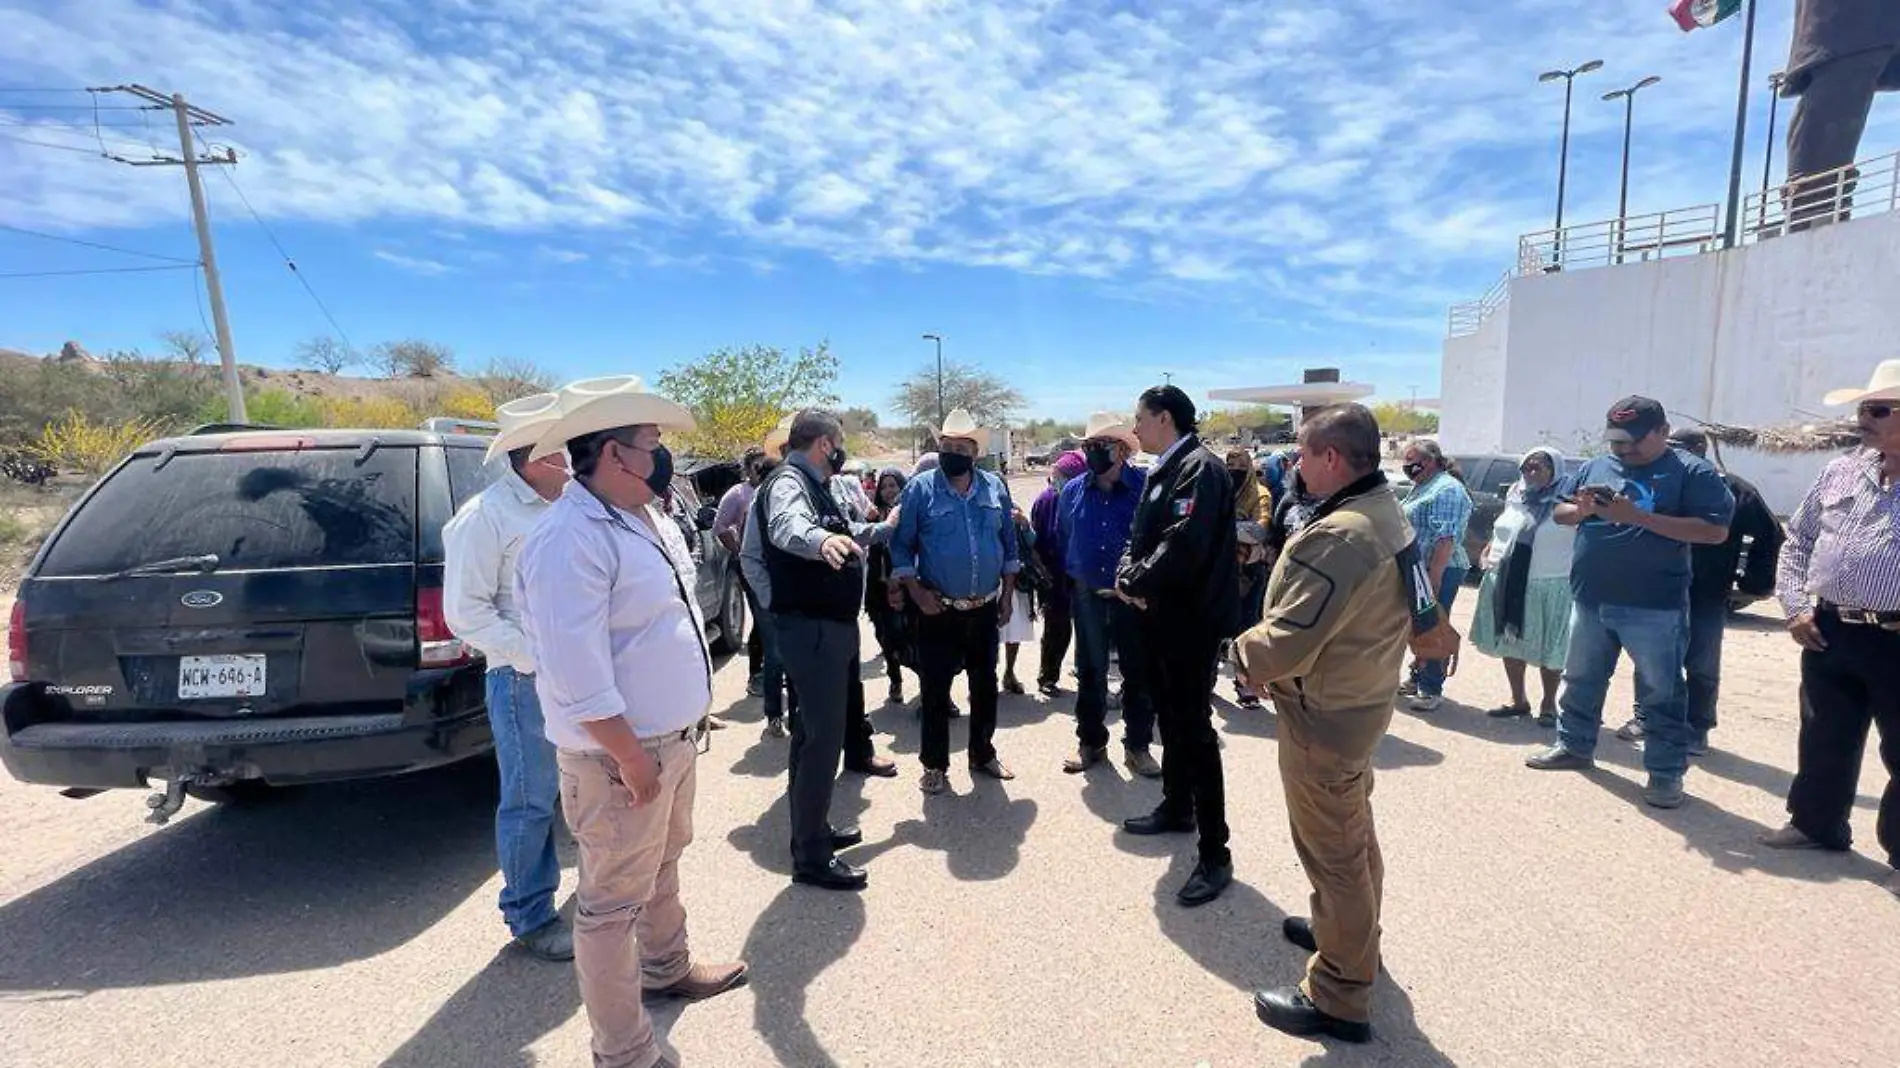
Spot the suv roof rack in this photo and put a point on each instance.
(228, 428)
(443, 424)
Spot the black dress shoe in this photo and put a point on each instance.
(846, 837)
(1290, 1010)
(878, 766)
(1159, 822)
(1299, 931)
(1205, 885)
(834, 876)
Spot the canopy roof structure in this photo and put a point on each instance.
(1299, 394)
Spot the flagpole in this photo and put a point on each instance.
(1731, 231)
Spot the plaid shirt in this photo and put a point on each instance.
(1843, 542)
(1438, 510)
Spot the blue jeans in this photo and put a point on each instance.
(1100, 621)
(1431, 673)
(524, 821)
(1655, 639)
(773, 681)
(1702, 662)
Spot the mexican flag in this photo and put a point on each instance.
(1696, 14)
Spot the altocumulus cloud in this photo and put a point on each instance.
(1295, 148)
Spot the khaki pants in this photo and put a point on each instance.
(630, 930)
(1329, 804)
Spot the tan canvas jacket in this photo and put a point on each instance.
(1333, 635)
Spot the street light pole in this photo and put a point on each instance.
(940, 409)
(1628, 96)
(1563, 151)
(1732, 228)
(1768, 157)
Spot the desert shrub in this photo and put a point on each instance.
(375, 413)
(169, 393)
(12, 528)
(277, 407)
(75, 442)
(465, 402)
(33, 395)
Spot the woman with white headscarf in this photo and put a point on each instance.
(1523, 614)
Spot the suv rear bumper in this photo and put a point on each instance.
(280, 751)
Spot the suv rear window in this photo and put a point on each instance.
(468, 475)
(255, 510)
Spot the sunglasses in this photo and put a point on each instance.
(1876, 411)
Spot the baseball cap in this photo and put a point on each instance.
(1634, 418)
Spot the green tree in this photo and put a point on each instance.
(989, 399)
(737, 395)
(858, 420)
(1398, 418)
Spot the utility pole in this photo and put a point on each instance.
(1732, 225)
(188, 117)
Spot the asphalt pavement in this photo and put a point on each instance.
(1531, 919)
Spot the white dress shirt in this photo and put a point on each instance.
(478, 584)
(607, 603)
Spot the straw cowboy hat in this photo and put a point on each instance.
(1884, 385)
(780, 436)
(960, 424)
(522, 422)
(595, 404)
(1110, 425)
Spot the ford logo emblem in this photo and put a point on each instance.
(202, 599)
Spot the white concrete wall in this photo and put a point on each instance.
(1748, 337)
(1471, 398)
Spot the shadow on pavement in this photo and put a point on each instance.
(317, 877)
(1237, 940)
(800, 934)
(507, 1006)
(1729, 841)
(980, 833)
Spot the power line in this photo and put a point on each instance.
(97, 245)
(278, 245)
(48, 144)
(76, 107)
(100, 270)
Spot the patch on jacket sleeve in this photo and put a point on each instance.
(1183, 508)
(1315, 608)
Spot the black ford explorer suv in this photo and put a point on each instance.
(225, 611)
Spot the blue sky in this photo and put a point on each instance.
(1080, 196)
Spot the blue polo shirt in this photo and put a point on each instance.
(1096, 524)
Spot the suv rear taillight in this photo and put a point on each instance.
(16, 643)
(438, 646)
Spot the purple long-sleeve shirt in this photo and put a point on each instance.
(1843, 542)
(1044, 519)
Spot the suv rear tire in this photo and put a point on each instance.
(731, 619)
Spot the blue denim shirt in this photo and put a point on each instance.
(1096, 524)
(960, 545)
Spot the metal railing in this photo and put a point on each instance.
(1681, 232)
(1870, 187)
(1466, 318)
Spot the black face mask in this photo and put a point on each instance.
(1412, 470)
(1100, 458)
(661, 480)
(836, 458)
(1239, 478)
(955, 464)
